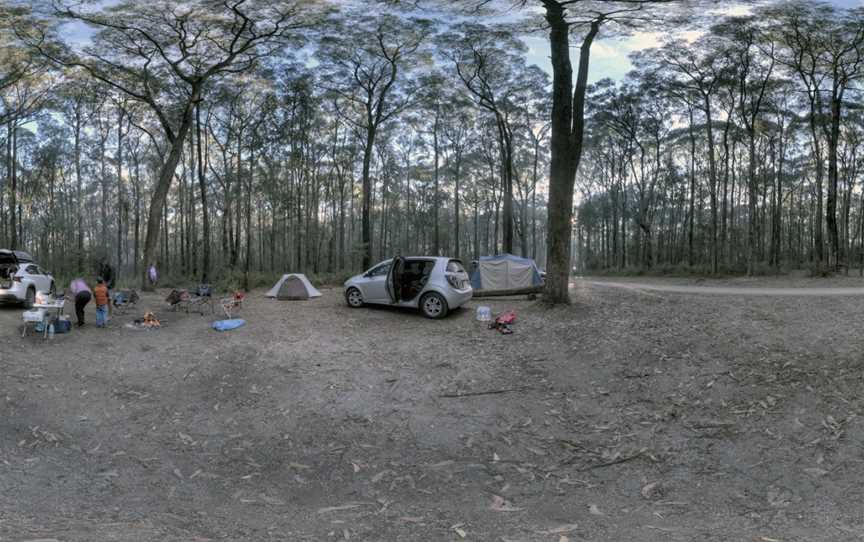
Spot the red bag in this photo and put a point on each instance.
(506, 318)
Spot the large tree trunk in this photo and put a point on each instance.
(751, 203)
(436, 199)
(79, 190)
(366, 213)
(831, 219)
(205, 213)
(712, 168)
(692, 212)
(160, 192)
(819, 165)
(120, 114)
(567, 127)
(12, 173)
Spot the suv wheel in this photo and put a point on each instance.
(30, 298)
(433, 305)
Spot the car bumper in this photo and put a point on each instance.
(11, 296)
(457, 298)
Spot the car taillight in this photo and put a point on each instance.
(17, 279)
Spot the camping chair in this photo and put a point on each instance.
(179, 299)
(202, 299)
(232, 303)
(124, 300)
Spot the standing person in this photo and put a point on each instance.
(81, 294)
(106, 272)
(152, 274)
(100, 294)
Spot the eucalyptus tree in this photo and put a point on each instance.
(490, 64)
(753, 54)
(371, 62)
(698, 68)
(164, 55)
(824, 48)
(562, 21)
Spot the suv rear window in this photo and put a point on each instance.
(455, 266)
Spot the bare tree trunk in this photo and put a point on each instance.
(160, 192)
(205, 211)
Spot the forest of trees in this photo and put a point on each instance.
(277, 156)
(738, 152)
(222, 138)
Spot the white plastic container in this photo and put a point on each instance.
(484, 314)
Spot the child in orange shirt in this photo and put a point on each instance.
(100, 294)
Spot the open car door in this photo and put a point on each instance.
(394, 279)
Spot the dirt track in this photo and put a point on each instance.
(721, 290)
(624, 417)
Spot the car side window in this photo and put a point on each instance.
(31, 270)
(382, 269)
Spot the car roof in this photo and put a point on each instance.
(436, 258)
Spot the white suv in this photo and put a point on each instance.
(21, 278)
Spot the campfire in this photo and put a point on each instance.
(150, 320)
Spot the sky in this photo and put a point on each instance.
(609, 57)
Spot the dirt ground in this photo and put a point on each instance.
(627, 416)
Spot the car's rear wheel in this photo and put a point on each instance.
(433, 305)
(354, 298)
(29, 298)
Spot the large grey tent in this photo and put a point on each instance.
(294, 286)
(505, 272)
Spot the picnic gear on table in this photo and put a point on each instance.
(503, 322)
(232, 303)
(43, 315)
(227, 325)
(81, 294)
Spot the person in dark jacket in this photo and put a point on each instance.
(105, 271)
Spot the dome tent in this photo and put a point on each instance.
(293, 286)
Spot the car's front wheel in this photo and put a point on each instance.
(354, 298)
(29, 298)
(433, 305)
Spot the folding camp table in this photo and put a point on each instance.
(50, 312)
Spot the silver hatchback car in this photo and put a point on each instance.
(433, 284)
